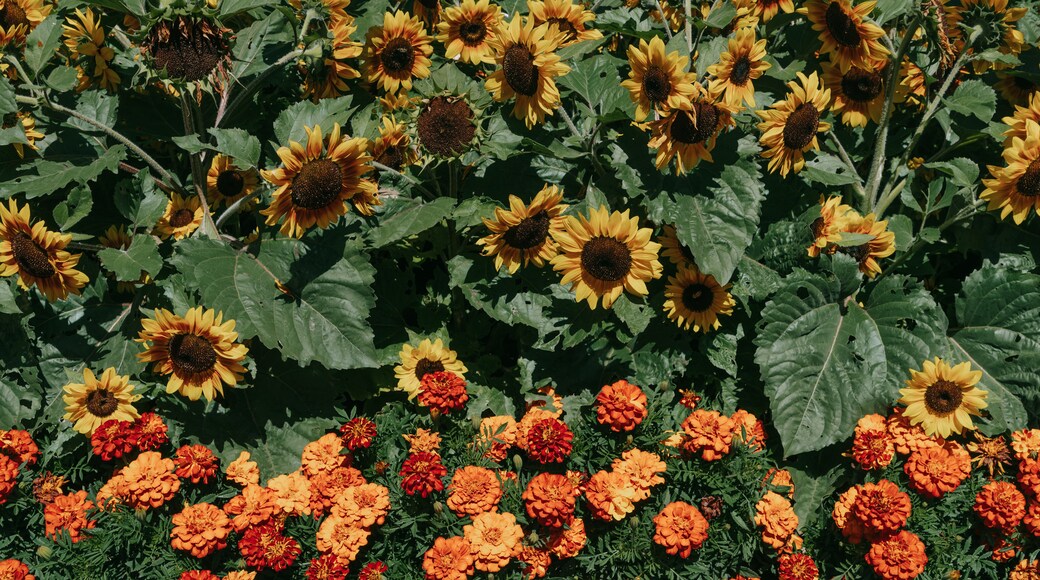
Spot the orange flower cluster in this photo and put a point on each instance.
(265, 547)
(549, 499)
(16, 448)
(200, 529)
(1026, 444)
(473, 491)
(709, 433)
(873, 447)
(612, 495)
(680, 528)
(358, 433)
(323, 456)
(242, 471)
(195, 462)
(496, 436)
(423, 440)
(443, 392)
(1026, 570)
(494, 539)
(749, 430)
(621, 406)
(1001, 506)
(146, 482)
(68, 513)
(775, 515)
(549, 441)
(906, 437)
(11, 569)
(881, 507)
(898, 556)
(252, 507)
(797, 567)
(936, 471)
(449, 559)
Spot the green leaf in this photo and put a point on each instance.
(811, 493)
(140, 201)
(62, 79)
(13, 134)
(413, 217)
(598, 80)
(291, 122)
(8, 304)
(7, 102)
(74, 207)
(51, 176)
(829, 170)
(721, 16)
(141, 256)
(886, 10)
(42, 44)
(239, 144)
(973, 97)
(97, 105)
(254, 46)
(16, 404)
(231, 7)
(903, 228)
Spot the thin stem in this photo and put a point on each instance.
(235, 207)
(21, 71)
(197, 174)
(858, 184)
(664, 19)
(688, 7)
(134, 171)
(255, 84)
(82, 246)
(700, 33)
(918, 243)
(415, 182)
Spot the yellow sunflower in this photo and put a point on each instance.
(767, 9)
(92, 402)
(1023, 115)
(566, 18)
(913, 83)
(427, 11)
(942, 398)
(397, 52)
(329, 78)
(32, 135)
(605, 254)
(428, 357)
(527, 65)
(827, 228)
(741, 63)
(695, 300)
(1015, 188)
(996, 19)
(882, 243)
(317, 179)
(847, 35)
(226, 183)
(1015, 89)
(84, 37)
(673, 249)
(20, 17)
(790, 126)
(37, 255)
(182, 217)
(393, 146)
(688, 133)
(859, 93)
(746, 16)
(466, 29)
(198, 351)
(657, 81)
(523, 235)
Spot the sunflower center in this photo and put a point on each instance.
(685, 130)
(741, 71)
(606, 259)
(529, 233)
(1028, 183)
(565, 26)
(31, 257)
(656, 84)
(430, 4)
(943, 397)
(862, 86)
(392, 157)
(427, 366)
(12, 15)
(520, 72)
(192, 354)
(230, 183)
(697, 297)
(472, 33)
(818, 226)
(186, 48)
(181, 218)
(858, 253)
(101, 403)
(318, 184)
(801, 126)
(841, 26)
(397, 56)
(445, 126)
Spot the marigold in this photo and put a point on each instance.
(151, 432)
(1000, 505)
(780, 481)
(873, 446)
(844, 517)
(549, 441)
(252, 507)
(150, 481)
(610, 495)
(448, 559)
(373, 571)
(708, 433)
(797, 567)
(265, 546)
(292, 493)
(881, 507)
(534, 562)
(1032, 519)
(936, 471)
(113, 439)
(423, 440)
(495, 538)
(680, 528)
(621, 406)
(339, 537)
(358, 433)
(327, 487)
(198, 575)
(776, 517)
(48, 486)
(749, 430)
(534, 414)
(242, 471)
(549, 499)
(195, 462)
(1026, 443)
(328, 567)
(363, 506)
(899, 556)
(240, 575)
(496, 435)
(907, 438)
(1029, 477)
(421, 474)
(11, 569)
(566, 542)
(642, 469)
(200, 529)
(323, 455)
(20, 445)
(1026, 570)
(443, 392)
(68, 513)
(473, 490)
(8, 476)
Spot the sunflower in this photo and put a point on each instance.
(913, 83)
(198, 351)
(1023, 116)
(688, 133)
(564, 17)
(427, 11)
(19, 17)
(826, 229)
(393, 147)
(466, 30)
(847, 35)
(329, 77)
(673, 249)
(1015, 188)
(317, 179)
(446, 126)
(742, 62)
(789, 128)
(527, 65)
(657, 81)
(183, 216)
(942, 398)
(524, 234)
(85, 40)
(92, 402)
(767, 9)
(32, 135)
(428, 357)
(605, 254)
(695, 299)
(1016, 89)
(859, 93)
(37, 255)
(187, 48)
(998, 25)
(396, 52)
(882, 243)
(226, 183)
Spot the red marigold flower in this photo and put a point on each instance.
(198, 575)
(1032, 519)
(798, 567)
(8, 476)
(113, 439)
(449, 558)
(881, 507)
(936, 471)
(422, 473)
(549, 441)
(621, 406)
(358, 433)
(1000, 505)
(329, 567)
(20, 445)
(549, 499)
(151, 432)
(443, 392)
(680, 528)
(899, 556)
(68, 513)
(873, 446)
(195, 462)
(265, 546)
(708, 433)
(12, 569)
(373, 571)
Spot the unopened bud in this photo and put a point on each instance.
(44, 552)
(438, 508)
(518, 463)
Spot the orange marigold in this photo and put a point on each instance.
(363, 506)
(532, 416)
(1032, 519)
(253, 506)
(1026, 570)
(149, 481)
(797, 567)
(534, 562)
(621, 406)
(899, 556)
(327, 486)
(936, 471)
(775, 515)
(443, 392)
(1029, 477)
(496, 435)
(495, 538)
(339, 537)
(473, 490)
(195, 462)
(330, 567)
(11, 569)
(873, 446)
(323, 455)
(448, 559)
(642, 469)
(907, 438)
(8, 476)
(708, 433)
(779, 480)
(200, 529)
(292, 493)
(1000, 505)
(1026, 443)
(549, 499)
(680, 528)
(610, 495)
(20, 445)
(240, 575)
(423, 440)
(881, 507)
(566, 542)
(748, 430)
(68, 513)
(243, 471)
(114, 491)
(845, 519)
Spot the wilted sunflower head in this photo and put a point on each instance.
(186, 48)
(446, 126)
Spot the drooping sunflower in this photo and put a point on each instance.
(183, 216)
(527, 64)
(317, 179)
(466, 29)
(85, 40)
(566, 17)
(827, 228)
(393, 146)
(328, 77)
(397, 52)
(673, 249)
(92, 402)
(32, 134)
(198, 351)
(428, 357)
(20, 17)
(859, 93)
(187, 48)
(767, 9)
(741, 63)
(446, 126)
(847, 35)
(427, 11)
(688, 133)
(882, 243)
(790, 126)
(695, 300)
(226, 183)
(524, 233)
(657, 81)
(1016, 89)
(942, 398)
(1023, 115)
(37, 255)
(1015, 188)
(999, 32)
(604, 254)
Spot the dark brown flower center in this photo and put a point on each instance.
(801, 126)
(397, 56)
(698, 297)
(529, 233)
(430, 4)
(12, 15)
(862, 86)
(686, 130)
(818, 226)
(606, 259)
(392, 157)
(520, 72)
(741, 71)
(192, 354)
(1028, 183)
(565, 26)
(859, 253)
(427, 366)
(445, 126)
(1023, 83)
(230, 183)
(186, 48)
(30, 257)
(656, 84)
(841, 26)
(181, 218)
(101, 403)
(943, 397)
(473, 32)
(317, 185)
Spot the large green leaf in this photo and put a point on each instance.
(42, 44)
(48, 177)
(290, 124)
(409, 218)
(141, 256)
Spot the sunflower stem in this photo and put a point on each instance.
(235, 207)
(253, 85)
(918, 243)
(85, 247)
(209, 229)
(688, 8)
(858, 184)
(570, 122)
(664, 19)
